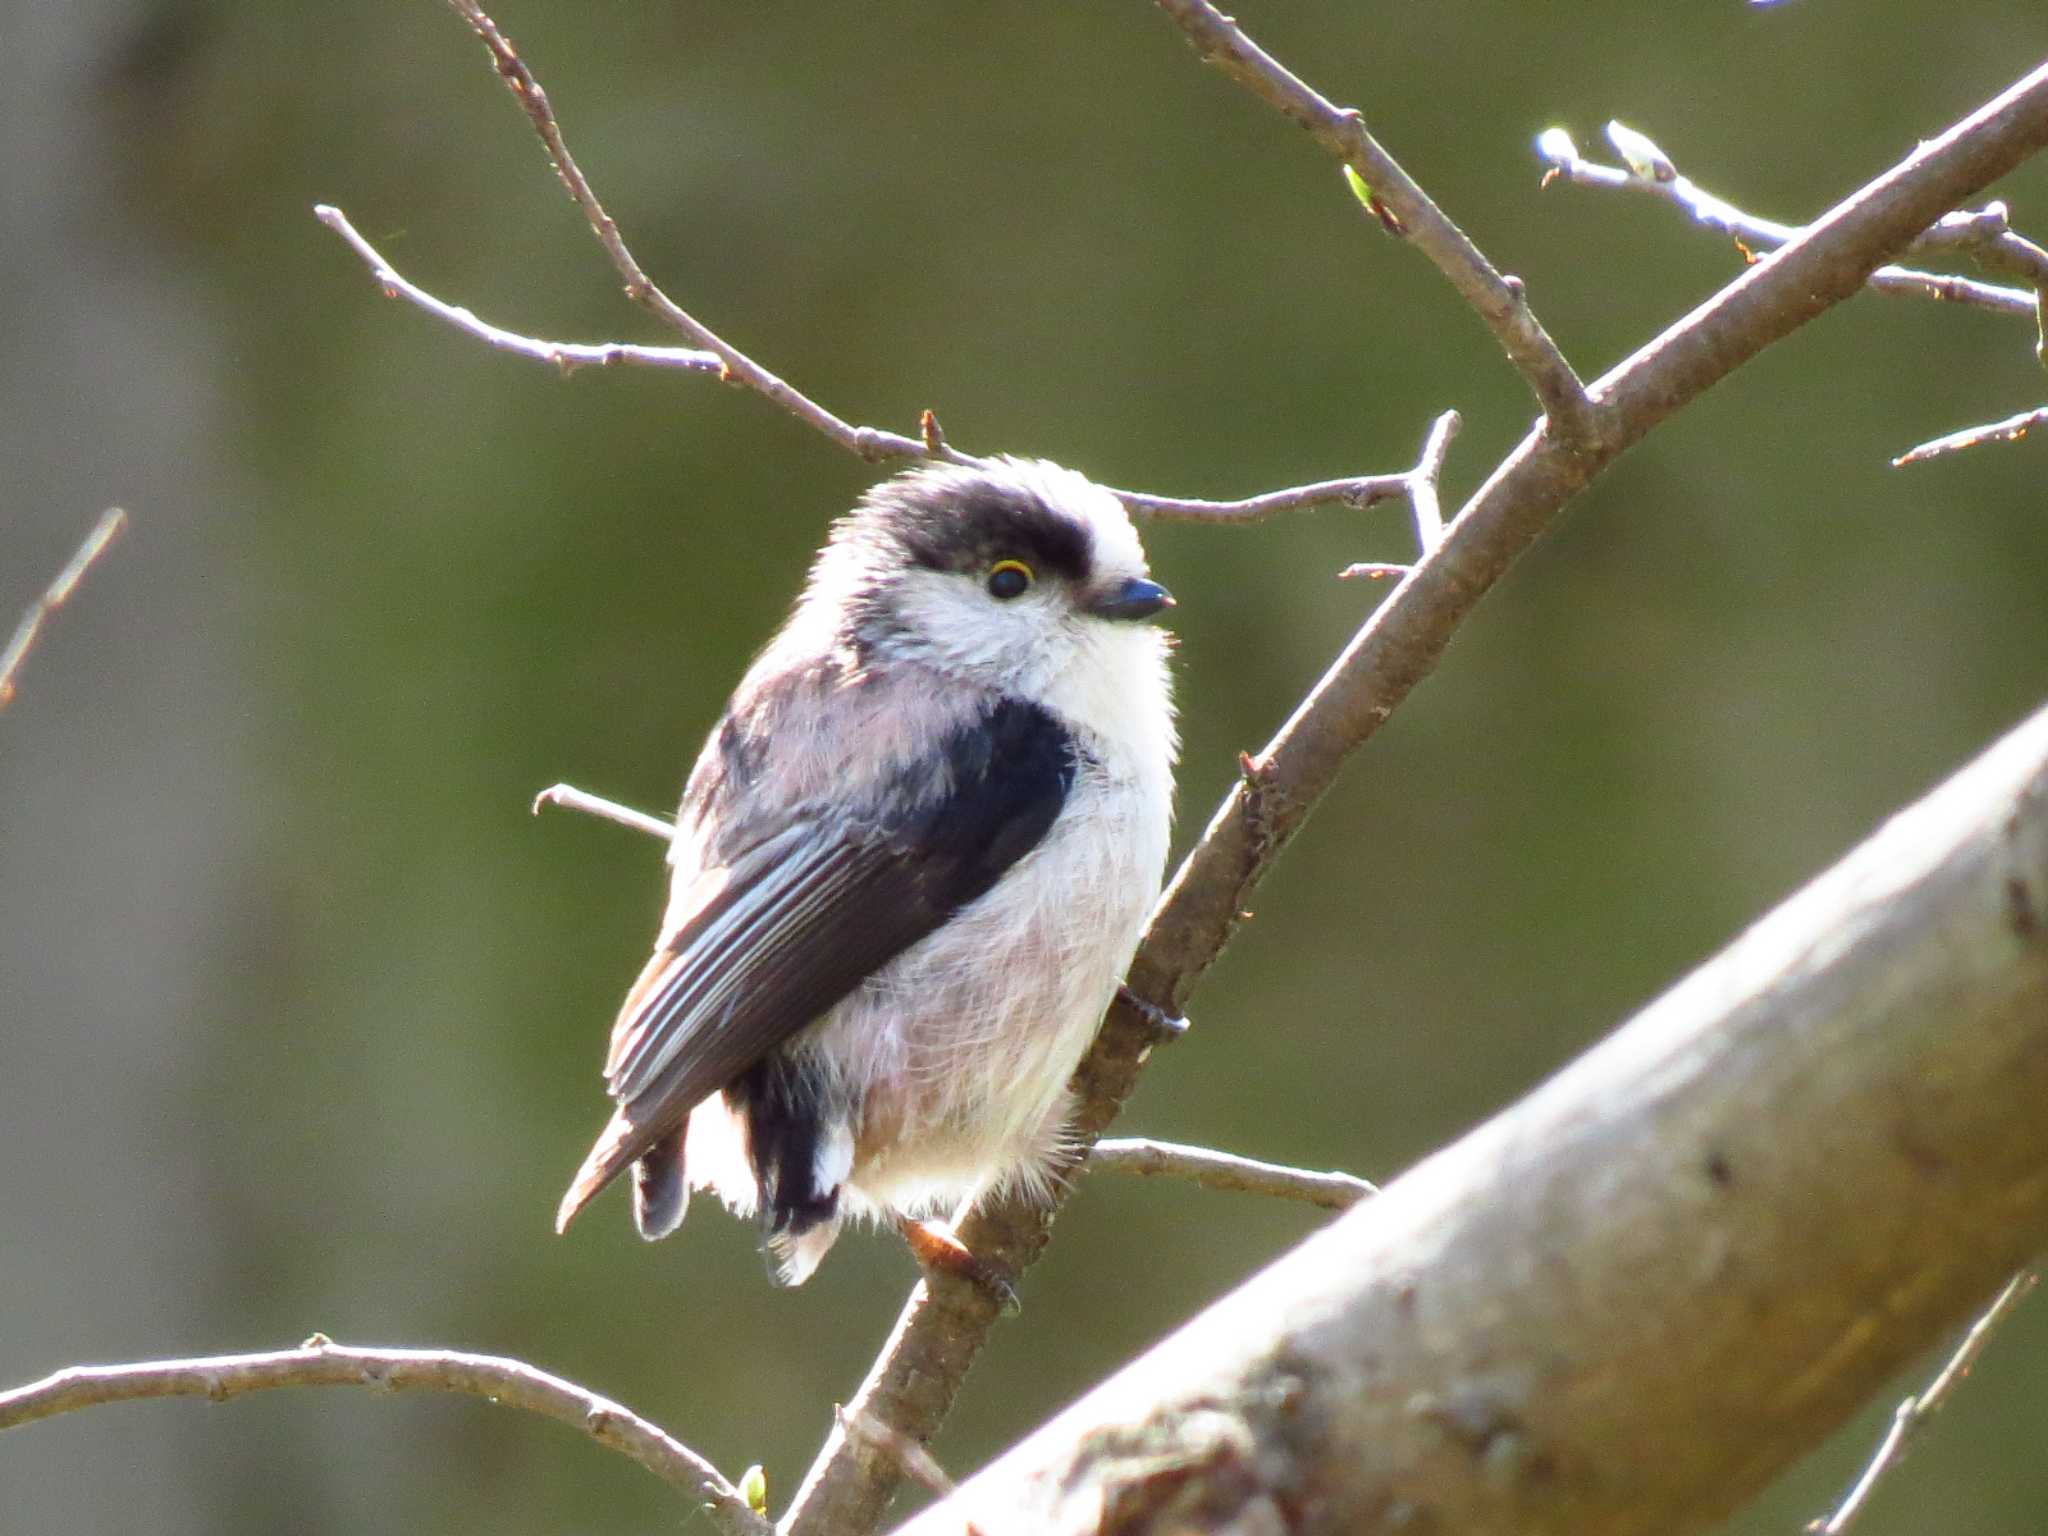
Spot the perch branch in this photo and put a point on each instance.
(709, 352)
(55, 596)
(942, 1328)
(1714, 1234)
(1223, 1170)
(1498, 301)
(320, 1362)
(1912, 1414)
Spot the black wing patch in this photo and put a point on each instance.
(812, 911)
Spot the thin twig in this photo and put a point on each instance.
(868, 442)
(942, 1328)
(2010, 430)
(1913, 1414)
(1422, 485)
(320, 1362)
(565, 355)
(55, 596)
(570, 798)
(911, 1458)
(1499, 301)
(1223, 1170)
(1751, 233)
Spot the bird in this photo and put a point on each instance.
(910, 868)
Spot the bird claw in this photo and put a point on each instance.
(937, 1247)
(1166, 1026)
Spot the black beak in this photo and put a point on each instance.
(1132, 599)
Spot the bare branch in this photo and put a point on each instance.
(55, 596)
(320, 1362)
(1752, 234)
(1915, 1411)
(941, 1329)
(911, 1458)
(1499, 301)
(565, 355)
(2010, 430)
(711, 353)
(1223, 1170)
(570, 798)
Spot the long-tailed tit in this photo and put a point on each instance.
(911, 865)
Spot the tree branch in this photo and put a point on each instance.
(1912, 1414)
(941, 1329)
(711, 353)
(2010, 430)
(1652, 172)
(1224, 1170)
(320, 1362)
(1715, 1234)
(1498, 301)
(55, 596)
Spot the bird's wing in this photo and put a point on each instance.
(783, 931)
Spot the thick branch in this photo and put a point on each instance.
(942, 1328)
(1624, 1304)
(1497, 300)
(320, 1362)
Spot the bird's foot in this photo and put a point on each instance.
(1166, 1026)
(936, 1246)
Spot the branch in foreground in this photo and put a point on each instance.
(1498, 301)
(2010, 430)
(943, 1326)
(1652, 172)
(710, 352)
(58, 593)
(1711, 1236)
(1912, 1414)
(320, 1362)
(1224, 1170)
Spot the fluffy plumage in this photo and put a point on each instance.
(911, 864)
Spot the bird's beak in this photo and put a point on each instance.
(1136, 598)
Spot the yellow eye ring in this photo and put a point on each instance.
(1008, 579)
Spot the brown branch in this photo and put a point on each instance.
(710, 352)
(1912, 1414)
(1653, 173)
(941, 1330)
(55, 596)
(2010, 430)
(1498, 301)
(1624, 1304)
(565, 355)
(1223, 1170)
(320, 1362)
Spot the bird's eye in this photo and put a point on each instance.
(1008, 579)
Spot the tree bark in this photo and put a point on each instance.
(1626, 1302)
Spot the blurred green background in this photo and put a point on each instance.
(301, 1011)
